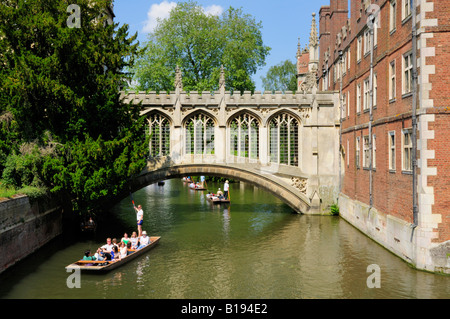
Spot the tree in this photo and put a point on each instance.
(200, 44)
(281, 77)
(60, 103)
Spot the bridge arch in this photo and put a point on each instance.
(298, 201)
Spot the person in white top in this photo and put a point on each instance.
(225, 189)
(107, 248)
(144, 240)
(140, 218)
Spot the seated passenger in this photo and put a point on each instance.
(134, 240)
(99, 255)
(115, 254)
(108, 246)
(87, 256)
(123, 250)
(144, 240)
(125, 239)
(114, 242)
(107, 249)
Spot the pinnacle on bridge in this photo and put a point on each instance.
(178, 79)
(222, 78)
(313, 39)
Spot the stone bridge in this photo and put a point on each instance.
(284, 142)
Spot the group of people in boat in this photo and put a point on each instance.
(221, 195)
(113, 251)
(197, 185)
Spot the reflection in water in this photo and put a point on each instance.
(253, 248)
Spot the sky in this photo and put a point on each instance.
(283, 21)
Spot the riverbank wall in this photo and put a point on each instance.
(25, 226)
(412, 244)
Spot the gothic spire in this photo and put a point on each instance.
(313, 39)
(299, 49)
(222, 78)
(178, 79)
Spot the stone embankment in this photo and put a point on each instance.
(26, 226)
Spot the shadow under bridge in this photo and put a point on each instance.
(266, 180)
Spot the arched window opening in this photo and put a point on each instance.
(283, 131)
(199, 135)
(244, 136)
(159, 130)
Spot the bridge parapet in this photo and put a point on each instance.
(216, 98)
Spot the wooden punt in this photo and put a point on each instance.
(105, 265)
(216, 200)
(197, 188)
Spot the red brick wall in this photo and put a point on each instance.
(392, 190)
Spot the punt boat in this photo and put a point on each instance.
(196, 187)
(216, 200)
(106, 265)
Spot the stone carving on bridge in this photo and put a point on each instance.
(265, 110)
(222, 79)
(178, 79)
(299, 183)
(310, 82)
(305, 112)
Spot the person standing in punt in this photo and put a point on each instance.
(140, 219)
(226, 187)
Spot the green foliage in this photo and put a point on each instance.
(334, 210)
(63, 125)
(94, 171)
(23, 169)
(200, 44)
(281, 77)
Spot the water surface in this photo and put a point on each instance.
(254, 248)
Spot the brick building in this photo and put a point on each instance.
(378, 137)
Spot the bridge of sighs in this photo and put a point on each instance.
(285, 142)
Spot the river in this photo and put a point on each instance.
(254, 248)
